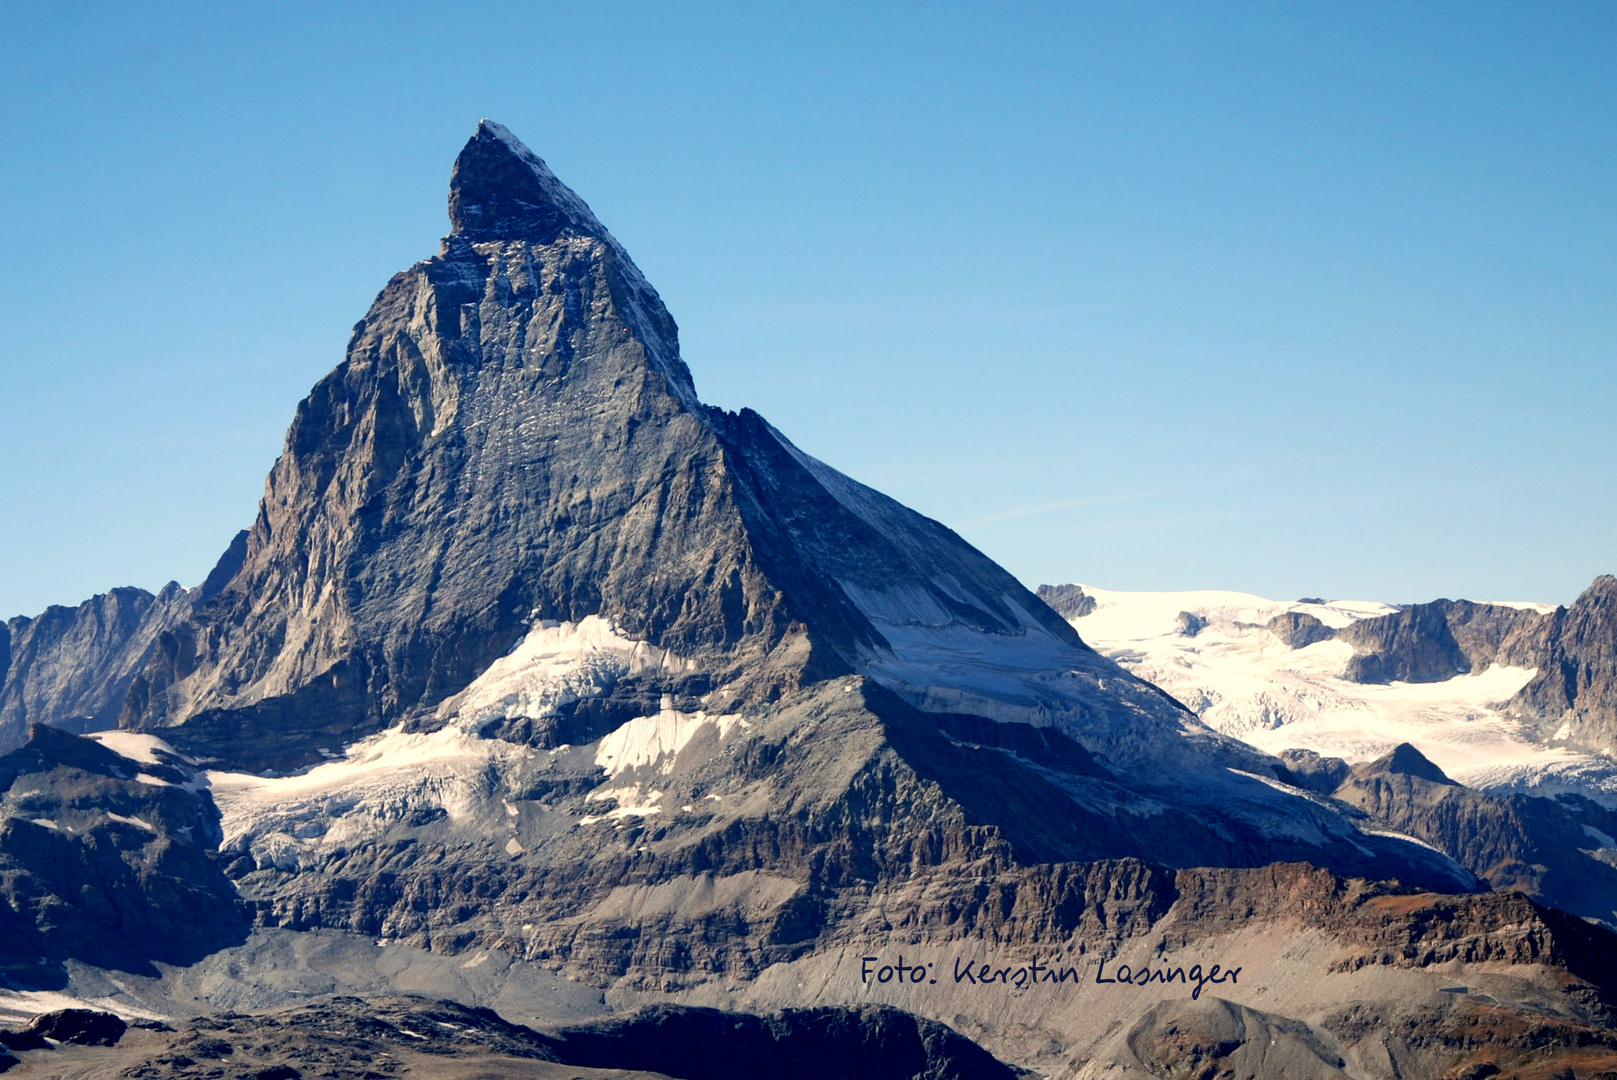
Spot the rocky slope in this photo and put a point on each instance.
(513, 437)
(106, 859)
(530, 654)
(1573, 699)
(1441, 639)
(1559, 851)
(71, 667)
(351, 1039)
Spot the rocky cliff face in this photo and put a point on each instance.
(1558, 851)
(513, 437)
(1441, 639)
(529, 652)
(1574, 696)
(70, 667)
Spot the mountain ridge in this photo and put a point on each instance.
(531, 655)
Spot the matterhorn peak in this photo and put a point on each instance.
(501, 190)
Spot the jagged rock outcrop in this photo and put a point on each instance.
(1574, 696)
(1068, 601)
(512, 437)
(70, 667)
(107, 860)
(1298, 629)
(1441, 639)
(1559, 851)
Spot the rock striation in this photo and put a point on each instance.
(106, 860)
(71, 667)
(1438, 640)
(1574, 696)
(530, 652)
(513, 437)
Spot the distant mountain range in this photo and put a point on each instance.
(534, 671)
(1411, 695)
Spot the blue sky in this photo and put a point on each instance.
(1294, 299)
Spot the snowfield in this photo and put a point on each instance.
(1245, 682)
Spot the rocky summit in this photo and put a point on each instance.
(539, 685)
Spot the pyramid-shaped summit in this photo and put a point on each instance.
(501, 190)
(513, 437)
(635, 689)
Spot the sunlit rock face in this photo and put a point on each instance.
(514, 437)
(529, 654)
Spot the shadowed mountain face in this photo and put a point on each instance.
(71, 667)
(106, 860)
(513, 437)
(571, 668)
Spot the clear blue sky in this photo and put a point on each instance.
(1295, 299)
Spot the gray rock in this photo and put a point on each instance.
(1549, 849)
(1314, 772)
(513, 436)
(107, 861)
(70, 667)
(1438, 640)
(1068, 601)
(1576, 685)
(1213, 1037)
(1298, 629)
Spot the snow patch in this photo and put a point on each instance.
(135, 746)
(632, 802)
(139, 823)
(648, 740)
(557, 663)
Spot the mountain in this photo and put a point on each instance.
(1573, 698)
(533, 664)
(514, 438)
(1354, 679)
(71, 667)
(107, 859)
(1291, 678)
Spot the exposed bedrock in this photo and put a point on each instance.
(107, 861)
(1068, 601)
(1560, 851)
(70, 667)
(1441, 639)
(1299, 629)
(347, 1038)
(1574, 696)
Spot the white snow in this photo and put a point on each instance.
(632, 802)
(289, 821)
(556, 663)
(648, 740)
(134, 746)
(139, 823)
(1244, 681)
